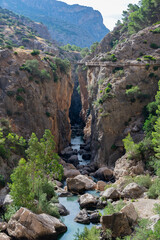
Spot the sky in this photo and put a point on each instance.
(111, 10)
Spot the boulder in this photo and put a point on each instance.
(132, 190)
(82, 217)
(73, 160)
(71, 173)
(103, 173)
(75, 186)
(87, 201)
(25, 224)
(62, 193)
(111, 193)
(4, 236)
(94, 217)
(131, 213)
(58, 184)
(8, 200)
(89, 183)
(61, 209)
(125, 167)
(3, 193)
(117, 223)
(100, 185)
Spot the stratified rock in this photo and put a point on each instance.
(126, 167)
(4, 236)
(132, 190)
(82, 217)
(117, 223)
(25, 224)
(87, 201)
(130, 212)
(111, 193)
(103, 173)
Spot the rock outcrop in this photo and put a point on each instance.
(114, 112)
(27, 225)
(31, 103)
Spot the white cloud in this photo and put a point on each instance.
(110, 9)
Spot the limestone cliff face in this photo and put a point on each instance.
(31, 103)
(114, 112)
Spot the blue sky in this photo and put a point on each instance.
(111, 10)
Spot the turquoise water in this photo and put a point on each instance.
(71, 202)
(73, 206)
(75, 142)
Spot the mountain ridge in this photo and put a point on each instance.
(74, 24)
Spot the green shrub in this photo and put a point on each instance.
(155, 68)
(48, 114)
(32, 67)
(19, 98)
(154, 190)
(2, 181)
(110, 208)
(35, 52)
(21, 47)
(144, 181)
(133, 92)
(88, 234)
(21, 90)
(148, 57)
(156, 30)
(147, 66)
(139, 59)
(11, 209)
(45, 75)
(131, 148)
(10, 93)
(3, 151)
(63, 64)
(154, 46)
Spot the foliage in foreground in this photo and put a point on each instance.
(88, 234)
(32, 178)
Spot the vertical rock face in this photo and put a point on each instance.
(31, 103)
(114, 112)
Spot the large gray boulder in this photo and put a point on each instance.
(132, 190)
(80, 183)
(111, 193)
(27, 225)
(131, 213)
(118, 223)
(87, 201)
(82, 217)
(103, 173)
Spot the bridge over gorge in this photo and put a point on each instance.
(129, 63)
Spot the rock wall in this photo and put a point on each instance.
(114, 113)
(33, 105)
